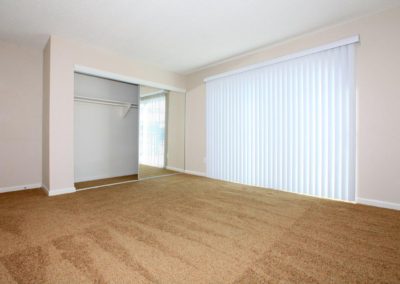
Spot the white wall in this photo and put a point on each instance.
(378, 87)
(20, 117)
(64, 54)
(105, 142)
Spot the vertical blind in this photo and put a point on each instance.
(152, 130)
(288, 125)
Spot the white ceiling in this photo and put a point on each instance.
(175, 35)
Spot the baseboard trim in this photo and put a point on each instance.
(378, 203)
(195, 173)
(59, 191)
(175, 169)
(19, 187)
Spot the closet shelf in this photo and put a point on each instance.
(126, 105)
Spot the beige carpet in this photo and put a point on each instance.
(146, 171)
(186, 229)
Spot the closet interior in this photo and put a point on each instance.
(124, 132)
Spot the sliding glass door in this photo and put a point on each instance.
(152, 130)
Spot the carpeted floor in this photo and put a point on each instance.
(187, 229)
(146, 171)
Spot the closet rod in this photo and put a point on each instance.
(104, 102)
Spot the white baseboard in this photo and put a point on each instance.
(378, 203)
(58, 191)
(175, 169)
(19, 187)
(195, 173)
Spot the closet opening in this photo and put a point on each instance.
(125, 132)
(106, 118)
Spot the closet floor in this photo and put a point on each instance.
(105, 181)
(144, 172)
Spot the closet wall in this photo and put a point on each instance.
(176, 131)
(105, 142)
